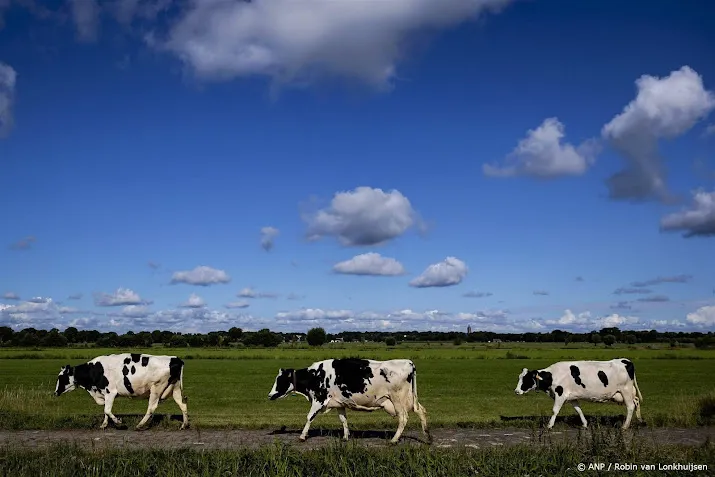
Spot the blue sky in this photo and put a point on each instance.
(513, 165)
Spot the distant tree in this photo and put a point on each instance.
(457, 341)
(178, 341)
(235, 333)
(6, 334)
(674, 343)
(54, 339)
(631, 339)
(567, 339)
(71, 333)
(595, 339)
(29, 340)
(390, 341)
(609, 340)
(263, 337)
(316, 337)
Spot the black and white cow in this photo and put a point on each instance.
(131, 375)
(358, 384)
(595, 381)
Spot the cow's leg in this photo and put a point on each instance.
(557, 407)
(638, 410)
(577, 406)
(422, 413)
(108, 403)
(630, 406)
(315, 408)
(179, 398)
(401, 421)
(105, 422)
(344, 420)
(153, 403)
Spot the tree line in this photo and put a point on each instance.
(31, 337)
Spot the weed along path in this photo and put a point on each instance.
(230, 439)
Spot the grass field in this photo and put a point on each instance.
(468, 385)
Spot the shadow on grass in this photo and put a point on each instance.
(338, 433)
(574, 421)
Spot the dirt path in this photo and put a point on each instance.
(229, 439)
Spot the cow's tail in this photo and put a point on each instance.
(415, 403)
(176, 378)
(638, 391)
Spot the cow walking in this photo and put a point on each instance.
(131, 375)
(595, 381)
(358, 384)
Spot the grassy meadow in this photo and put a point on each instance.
(461, 386)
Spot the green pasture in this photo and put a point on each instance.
(468, 386)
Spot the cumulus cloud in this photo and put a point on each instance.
(249, 292)
(40, 313)
(621, 305)
(268, 235)
(194, 301)
(363, 217)
(632, 291)
(299, 42)
(451, 271)
(23, 244)
(703, 316)
(11, 296)
(133, 311)
(370, 264)
(542, 154)
(237, 304)
(586, 321)
(658, 280)
(698, 220)
(664, 108)
(709, 130)
(39, 299)
(201, 276)
(8, 78)
(541, 292)
(121, 297)
(477, 294)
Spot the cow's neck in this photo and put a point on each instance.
(301, 381)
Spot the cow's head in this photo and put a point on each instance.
(284, 383)
(65, 380)
(530, 380)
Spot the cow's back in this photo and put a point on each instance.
(133, 374)
(591, 379)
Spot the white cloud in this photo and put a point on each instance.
(121, 297)
(68, 310)
(585, 321)
(664, 108)
(8, 78)
(364, 216)
(703, 316)
(249, 292)
(450, 271)
(542, 154)
(133, 311)
(202, 276)
(237, 304)
(268, 235)
(86, 17)
(370, 264)
(709, 130)
(194, 301)
(698, 220)
(476, 294)
(75, 296)
(298, 42)
(11, 296)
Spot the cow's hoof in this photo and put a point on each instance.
(392, 442)
(301, 439)
(428, 439)
(184, 427)
(140, 428)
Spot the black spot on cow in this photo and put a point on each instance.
(317, 382)
(559, 390)
(545, 380)
(128, 384)
(90, 375)
(629, 368)
(604, 379)
(136, 357)
(352, 375)
(576, 373)
(383, 373)
(134, 370)
(528, 381)
(175, 367)
(127, 360)
(145, 360)
(63, 380)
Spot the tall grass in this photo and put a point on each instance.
(352, 459)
